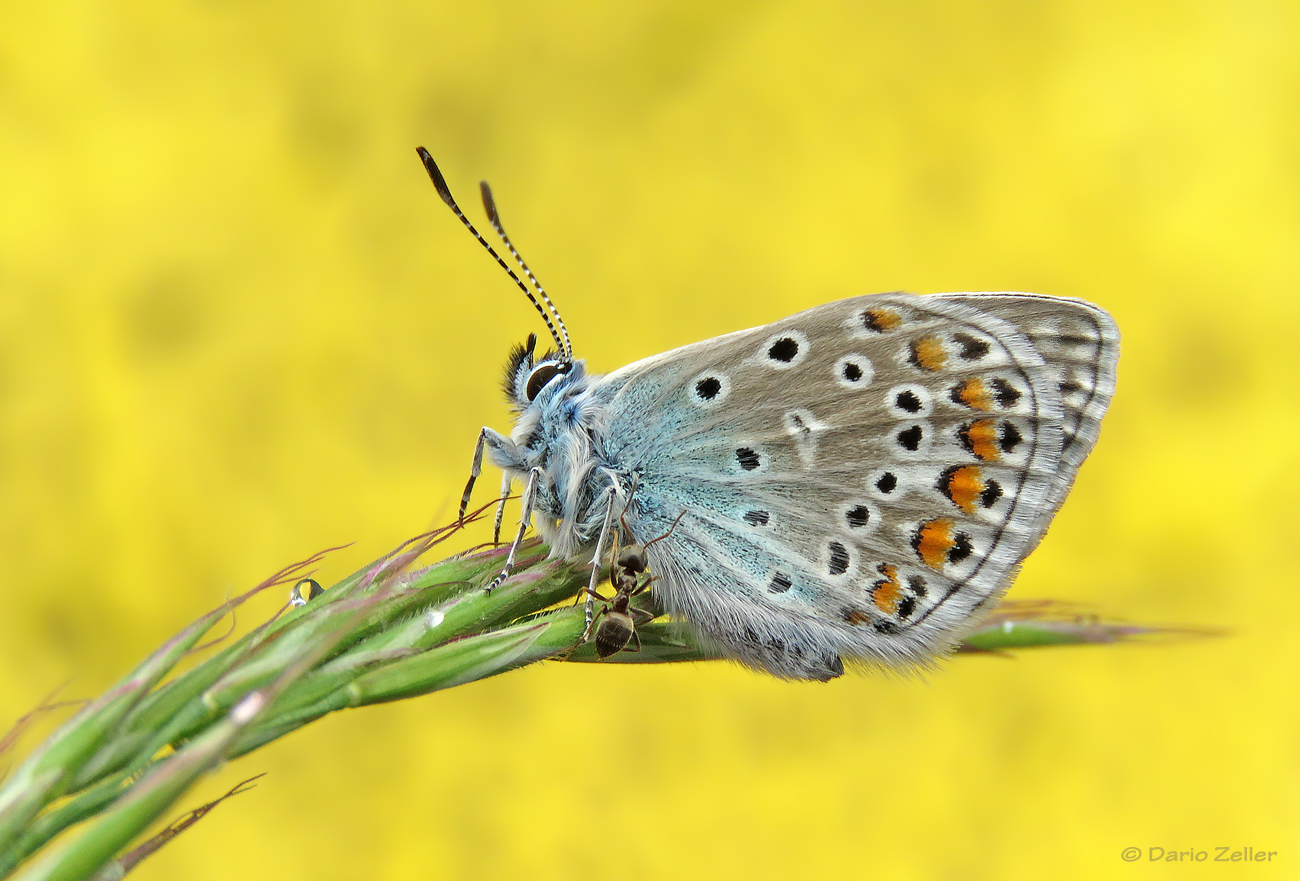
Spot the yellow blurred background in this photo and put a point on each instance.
(237, 326)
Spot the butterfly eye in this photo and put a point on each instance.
(543, 374)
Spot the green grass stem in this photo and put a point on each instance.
(387, 632)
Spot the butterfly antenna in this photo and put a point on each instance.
(440, 184)
(494, 217)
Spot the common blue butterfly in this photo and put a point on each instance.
(858, 481)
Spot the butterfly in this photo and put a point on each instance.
(859, 481)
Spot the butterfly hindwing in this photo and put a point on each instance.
(876, 468)
(1079, 344)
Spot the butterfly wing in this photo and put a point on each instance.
(861, 478)
(1079, 345)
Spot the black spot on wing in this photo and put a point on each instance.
(784, 350)
(961, 548)
(1006, 394)
(972, 348)
(910, 438)
(908, 402)
(992, 492)
(1009, 437)
(839, 558)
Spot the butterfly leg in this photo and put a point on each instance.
(474, 471)
(589, 593)
(501, 509)
(588, 612)
(505, 453)
(525, 515)
(503, 449)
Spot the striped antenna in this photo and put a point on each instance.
(490, 206)
(440, 184)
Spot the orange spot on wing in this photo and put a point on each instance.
(880, 320)
(963, 486)
(928, 354)
(981, 438)
(855, 617)
(886, 592)
(974, 394)
(932, 541)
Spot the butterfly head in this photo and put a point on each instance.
(530, 379)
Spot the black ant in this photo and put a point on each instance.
(618, 620)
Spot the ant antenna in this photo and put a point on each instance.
(668, 533)
(440, 184)
(490, 206)
(622, 518)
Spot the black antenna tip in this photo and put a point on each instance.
(489, 204)
(435, 175)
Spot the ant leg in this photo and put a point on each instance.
(595, 595)
(646, 616)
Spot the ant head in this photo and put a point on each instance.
(632, 559)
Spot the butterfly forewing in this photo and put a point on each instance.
(875, 467)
